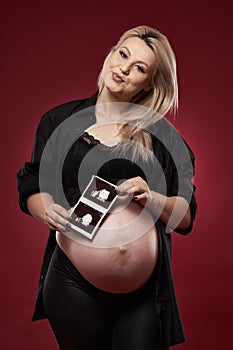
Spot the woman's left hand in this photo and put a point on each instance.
(137, 188)
(173, 211)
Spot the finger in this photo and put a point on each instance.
(124, 186)
(49, 220)
(62, 228)
(144, 198)
(136, 190)
(56, 221)
(57, 226)
(50, 226)
(60, 211)
(140, 196)
(133, 184)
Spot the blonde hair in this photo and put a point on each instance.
(161, 98)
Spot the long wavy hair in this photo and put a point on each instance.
(161, 98)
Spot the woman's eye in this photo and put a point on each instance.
(123, 54)
(140, 69)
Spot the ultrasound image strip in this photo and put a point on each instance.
(100, 192)
(92, 206)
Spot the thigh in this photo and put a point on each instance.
(77, 319)
(137, 327)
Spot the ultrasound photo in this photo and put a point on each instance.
(93, 206)
(100, 192)
(85, 218)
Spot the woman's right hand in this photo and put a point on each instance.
(42, 207)
(55, 218)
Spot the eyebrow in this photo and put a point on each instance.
(125, 47)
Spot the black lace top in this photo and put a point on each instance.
(87, 157)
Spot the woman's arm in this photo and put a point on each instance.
(42, 207)
(172, 211)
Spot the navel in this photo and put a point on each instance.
(123, 250)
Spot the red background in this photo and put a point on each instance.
(52, 53)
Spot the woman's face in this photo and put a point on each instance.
(129, 69)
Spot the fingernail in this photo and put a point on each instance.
(68, 227)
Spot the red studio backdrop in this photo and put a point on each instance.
(51, 53)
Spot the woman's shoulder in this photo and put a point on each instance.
(53, 118)
(59, 113)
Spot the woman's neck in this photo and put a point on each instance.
(109, 107)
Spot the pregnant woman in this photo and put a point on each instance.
(114, 292)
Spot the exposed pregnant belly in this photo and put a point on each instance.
(123, 254)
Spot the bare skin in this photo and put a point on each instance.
(122, 255)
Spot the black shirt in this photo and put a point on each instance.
(54, 168)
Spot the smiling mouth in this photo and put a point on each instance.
(116, 77)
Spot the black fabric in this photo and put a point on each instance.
(28, 181)
(175, 164)
(107, 162)
(86, 317)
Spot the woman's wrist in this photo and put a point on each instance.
(37, 205)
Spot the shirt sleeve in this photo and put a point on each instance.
(187, 192)
(28, 179)
(177, 162)
(182, 182)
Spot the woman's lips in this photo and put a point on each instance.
(117, 78)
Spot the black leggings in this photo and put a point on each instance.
(86, 318)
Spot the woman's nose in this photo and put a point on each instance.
(125, 70)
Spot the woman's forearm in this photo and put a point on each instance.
(37, 204)
(42, 207)
(173, 211)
